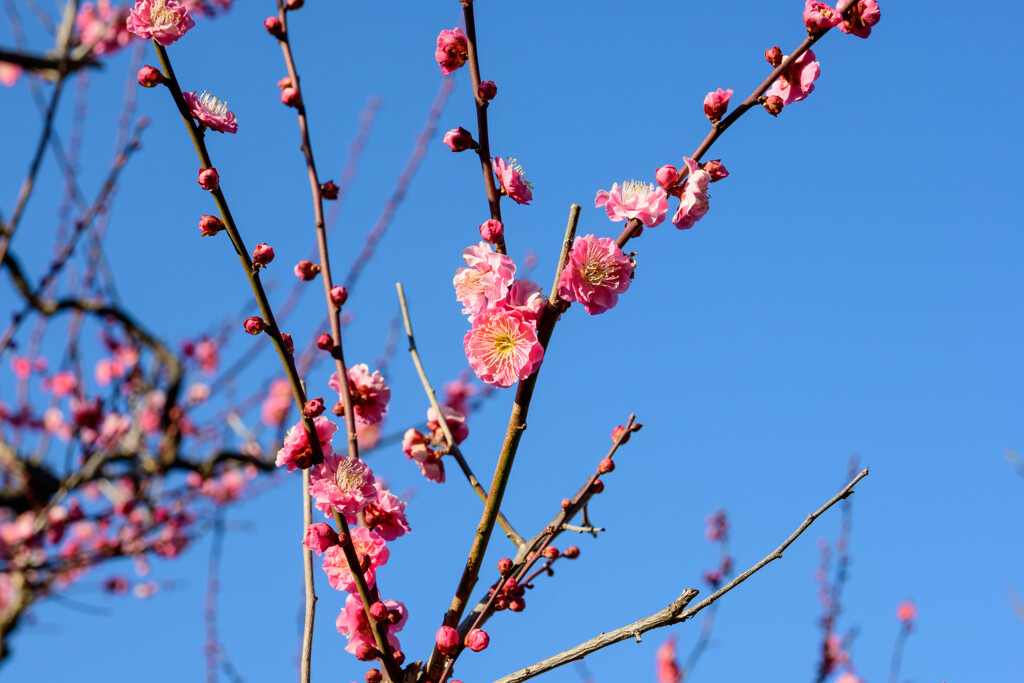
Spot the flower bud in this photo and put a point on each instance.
(284, 82)
(668, 177)
(452, 50)
(500, 603)
(150, 77)
(366, 652)
(620, 432)
(289, 345)
(517, 604)
(492, 231)
(329, 190)
(716, 103)
(716, 168)
(605, 466)
(551, 552)
(325, 342)
(290, 97)
(273, 26)
(364, 561)
(210, 225)
(459, 139)
(773, 104)
(477, 640)
(774, 56)
(399, 657)
(209, 179)
(314, 407)
(447, 640)
(566, 503)
(306, 270)
(378, 610)
(504, 565)
(295, 4)
(597, 486)
(262, 254)
(254, 325)
(394, 616)
(339, 409)
(339, 295)
(374, 676)
(487, 91)
(572, 552)
(319, 537)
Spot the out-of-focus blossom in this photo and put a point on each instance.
(277, 403)
(103, 27)
(666, 667)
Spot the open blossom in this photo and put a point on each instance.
(634, 200)
(596, 273)
(502, 348)
(486, 280)
(162, 20)
(694, 200)
(365, 542)
(667, 669)
(526, 297)
(797, 81)
(456, 424)
(416, 446)
(386, 514)
(861, 16)
(102, 27)
(211, 112)
(369, 394)
(452, 50)
(512, 180)
(296, 451)
(352, 622)
(342, 483)
(819, 16)
(319, 537)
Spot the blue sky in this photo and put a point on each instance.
(855, 289)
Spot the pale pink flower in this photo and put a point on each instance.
(452, 50)
(9, 73)
(165, 21)
(512, 180)
(370, 395)
(458, 392)
(319, 537)
(502, 348)
(416, 446)
(277, 403)
(666, 667)
(352, 622)
(61, 383)
(207, 356)
(296, 451)
(694, 201)
(596, 273)
(365, 542)
(634, 200)
(386, 514)
(342, 483)
(861, 16)
(819, 16)
(797, 81)
(21, 366)
(906, 612)
(211, 112)
(716, 103)
(108, 369)
(456, 424)
(486, 280)
(102, 27)
(113, 428)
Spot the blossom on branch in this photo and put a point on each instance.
(596, 273)
(452, 50)
(502, 348)
(512, 180)
(797, 81)
(370, 395)
(365, 542)
(634, 200)
(297, 452)
(486, 280)
(342, 483)
(352, 622)
(165, 21)
(211, 112)
(861, 16)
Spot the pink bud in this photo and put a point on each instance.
(716, 103)
(597, 486)
(605, 466)
(314, 407)
(447, 640)
(290, 97)
(285, 82)
(210, 225)
(492, 231)
(378, 611)
(262, 255)
(325, 342)
(566, 503)
(487, 91)
(572, 552)
(452, 50)
(289, 345)
(550, 552)
(306, 270)
(150, 77)
(477, 640)
(906, 612)
(366, 652)
(209, 179)
(773, 105)
(459, 139)
(517, 604)
(319, 537)
(774, 56)
(338, 409)
(339, 295)
(273, 26)
(717, 170)
(374, 676)
(620, 432)
(254, 325)
(668, 177)
(504, 566)
(329, 190)
(399, 657)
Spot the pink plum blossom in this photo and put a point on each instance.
(502, 348)
(486, 280)
(458, 392)
(819, 16)
(634, 200)
(797, 81)
(477, 640)
(165, 21)
(524, 296)
(211, 112)
(452, 50)
(365, 542)
(906, 612)
(492, 231)
(861, 16)
(694, 201)
(447, 640)
(9, 73)
(596, 273)
(342, 483)
(416, 446)
(277, 403)
(716, 103)
(319, 537)
(370, 395)
(666, 666)
(386, 514)
(352, 622)
(102, 27)
(456, 424)
(296, 451)
(512, 180)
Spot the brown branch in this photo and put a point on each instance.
(677, 611)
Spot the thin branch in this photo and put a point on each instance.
(307, 577)
(453, 447)
(897, 653)
(677, 611)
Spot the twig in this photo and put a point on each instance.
(677, 611)
(897, 653)
(453, 447)
(310, 590)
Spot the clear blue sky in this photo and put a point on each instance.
(855, 288)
